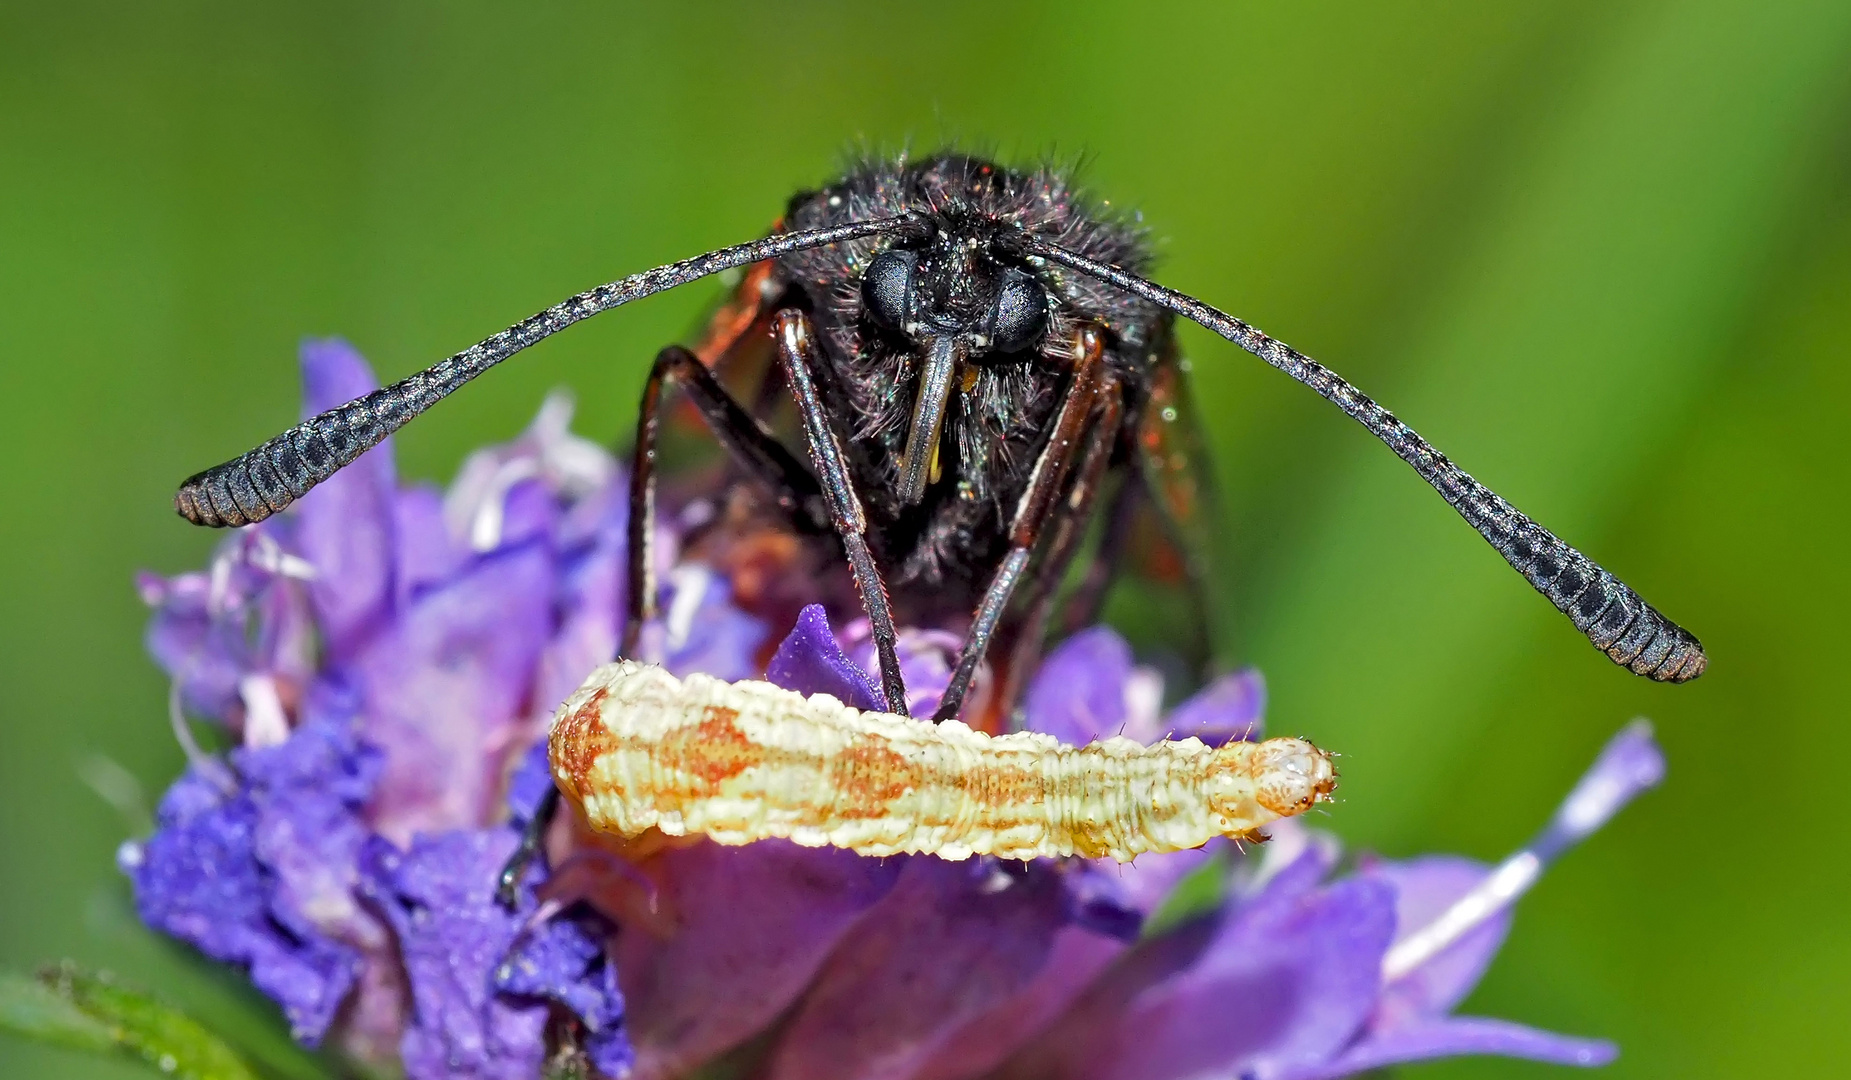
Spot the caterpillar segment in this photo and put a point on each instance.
(636, 748)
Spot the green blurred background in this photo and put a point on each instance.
(1600, 253)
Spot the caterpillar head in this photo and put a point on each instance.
(1251, 784)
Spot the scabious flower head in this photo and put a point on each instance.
(384, 661)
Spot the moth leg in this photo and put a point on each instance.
(797, 350)
(751, 445)
(533, 834)
(740, 434)
(1045, 484)
(1071, 516)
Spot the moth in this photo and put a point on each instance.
(983, 378)
(635, 748)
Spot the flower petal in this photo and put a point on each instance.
(1424, 888)
(445, 688)
(529, 511)
(752, 926)
(344, 527)
(1098, 899)
(425, 551)
(1075, 959)
(208, 656)
(563, 961)
(452, 934)
(199, 878)
(927, 658)
(1286, 979)
(591, 608)
(1451, 1037)
(1628, 766)
(706, 632)
(1230, 708)
(310, 791)
(1079, 693)
(949, 942)
(810, 661)
(1149, 880)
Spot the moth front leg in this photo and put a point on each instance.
(797, 350)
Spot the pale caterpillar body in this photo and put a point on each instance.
(636, 748)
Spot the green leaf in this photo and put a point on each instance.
(33, 1010)
(218, 995)
(79, 1010)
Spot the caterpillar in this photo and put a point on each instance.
(636, 748)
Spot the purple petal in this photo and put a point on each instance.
(1424, 888)
(951, 941)
(1148, 881)
(751, 927)
(344, 526)
(1075, 959)
(445, 688)
(611, 1051)
(591, 606)
(810, 661)
(1286, 979)
(198, 878)
(529, 511)
(208, 656)
(426, 553)
(1292, 863)
(1078, 696)
(531, 780)
(711, 635)
(563, 961)
(453, 934)
(1451, 1037)
(1233, 707)
(483, 505)
(212, 630)
(1098, 900)
(288, 646)
(927, 658)
(1629, 765)
(333, 373)
(601, 511)
(311, 791)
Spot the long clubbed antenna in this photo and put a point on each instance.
(262, 481)
(1616, 619)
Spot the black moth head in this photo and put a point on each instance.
(957, 269)
(997, 308)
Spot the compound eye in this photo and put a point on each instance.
(1021, 313)
(887, 287)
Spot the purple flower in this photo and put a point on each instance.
(256, 875)
(385, 659)
(384, 656)
(483, 976)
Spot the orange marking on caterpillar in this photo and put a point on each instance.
(578, 737)
(637, 748)
(710, 752)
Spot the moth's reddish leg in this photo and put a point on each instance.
(743, 437)
(1068, 529)
(797, 350)
(1046, 483)
(746, 312)
(750, 444)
